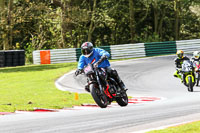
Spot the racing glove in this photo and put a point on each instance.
(104, 57)
(78, 71)
(179, 70)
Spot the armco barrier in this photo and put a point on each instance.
(54, 56)
(127, 51)
(59, 55)
(188, 46)
(118, 51)
(160, 48)
(12, 58)
(36, 57)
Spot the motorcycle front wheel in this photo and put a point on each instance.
(99, 98)
(190, 84)
(123, 100)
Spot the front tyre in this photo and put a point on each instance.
(99, 98)
(123, 100)
(190, 84)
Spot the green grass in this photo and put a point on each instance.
(193, 127)
(32, 86)
(29, 87)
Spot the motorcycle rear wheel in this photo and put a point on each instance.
(198, 79)
(99, 98)
(190, 84)
(123, 100)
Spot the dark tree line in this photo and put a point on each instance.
(50, 24)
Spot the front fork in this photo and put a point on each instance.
(90, 80)
(99, 83)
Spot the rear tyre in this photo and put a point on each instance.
(190, 84)
(123, 100)
(197, 79)
(99, 98)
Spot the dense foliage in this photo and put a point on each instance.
(49, 24)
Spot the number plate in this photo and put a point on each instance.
(88, 69)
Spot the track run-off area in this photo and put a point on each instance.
(145, 78)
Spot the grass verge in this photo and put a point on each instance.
(27, 87)
(32, 86)
(193, 127)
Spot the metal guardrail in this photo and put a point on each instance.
(123, 51)
(36, 57)
(56, 56)
(127, 51)
(160, 48)
(63, 55)
(188, 46)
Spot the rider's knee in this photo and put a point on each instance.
(114, 72)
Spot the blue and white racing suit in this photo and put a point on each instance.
(96, 55)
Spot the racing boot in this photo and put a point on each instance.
(122, 86)
(181, 80)
(118, 91)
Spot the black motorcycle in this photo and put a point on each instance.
(103, 87)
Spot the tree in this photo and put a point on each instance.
(132, 20)
(159, 8)
(5, 23)
(36, 24)
(92, 21)
(177, 18)
(10, 28)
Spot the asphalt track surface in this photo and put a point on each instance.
(143, 77)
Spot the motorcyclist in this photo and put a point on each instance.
(178, 63)
(99, 58)
(196, 60)
(195, 57)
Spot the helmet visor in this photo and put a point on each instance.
(180, 55)
(196, 56)
(86, 51)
